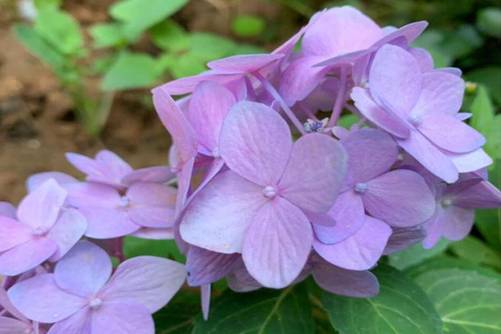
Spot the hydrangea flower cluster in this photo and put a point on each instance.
(270, 188)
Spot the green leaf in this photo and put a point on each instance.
(346, 121)
(473, 250)
(488, 222)
(489, 21)
(131, 70)
(170, 36)
(38, 46)
(248, 25)
(162, 248)
(107, 34)
(60, 29)
(484, 120)
(461, 41)
(285, 311)
(180, 314)
(139, 16)
(401, 307)
(40, 4)
(416, 254)
(467, 301)
(490, 77)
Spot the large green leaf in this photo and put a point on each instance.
(285, 311)
(485, 120)
(131, 70)
(180, 314)
(416, 254)
(467, 301)
(139, 15)
(488, 222)
(60, 29)
(401, 307)
(475, 251)
(38, 46)
(447, 262)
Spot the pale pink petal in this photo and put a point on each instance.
(460, 138)
(151, 204)
(430, 156)
(156, 174)
(469, 162)
(104, 223)
(115, 167)
(78, 323)
(26, 256)
(243, 64)
(84, 270)
(424, 60)
(453, 223)
(122, 318)
(209, 105)
(84, 164)
(348, 213)
(40, 208)
(241, 281)
(183, 185)
(218, 216)
(277, 244)
(36, 180)
(12, 233)
(315, 172)
(187, 84)
(52, 305)
(146, 280)
(384, 119)
(7, 306)
(92, 194)
(69, 228)
(7, 210)
(400, 198)
(361, 284)
(395, 79)
(256, 142)
(361, 251)
(205, 267)
(14, 326)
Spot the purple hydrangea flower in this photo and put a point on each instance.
(415, 107)
(259, 206)
(43, 230)
(81, 297)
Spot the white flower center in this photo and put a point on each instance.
(446, 202)
(124, 202)
(95, 303)
(361, 187)
(415, 120)
(269, 192)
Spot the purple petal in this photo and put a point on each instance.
(7, 306)
(14, 326)
(176, 123)
(452, 223)
(402, 238)
(409, 31)
(40, 208)
(348, 213)
(205, 267)
(104, 223)
(441, 93)
(315, 172)
(151, 204)
(209, 105)
(156, 174)
(370, 153)
(380, 117)
(52, 305)
(217, 218)
(7, 210)
(349, 30)
(469, 162)
(12, 233)
(205, 293)
(241, 281)
(361, 284)
(430, 156)
(122, 318)
(481, 195)
(85, 194)
(84, 270)
(146, 280)
(395, 79)
(243, 64)
(277, 244)
(460, 138)
(362, 250)
(69, 228)
(256, 142)
(424, 60)
(78, 323)
(116, 168)
(400, 198)
(26, 256)
(36, 180)
(84, 164)
(187, 85)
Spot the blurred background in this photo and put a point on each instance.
(75, 75)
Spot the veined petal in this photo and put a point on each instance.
(277, 244)
(256, 142)
(471, 161)
(12, 233)
(7, 210)
(205, 267)
(52, 303)
(481, 195)
(14, 326)
(218, 216)
(26, 256)
(84, 270)
(315, 173)
(243, 64)
(156, 174)
(106, 223)
(152, 204)
(78, 323)
(122, 318)
(36, 180)
(86, 194)
(453, 223)
(69, 228)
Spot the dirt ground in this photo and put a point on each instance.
(37, 125)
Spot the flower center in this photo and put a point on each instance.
(415, 120)
(124, 202)
(361, 187)
(311, 125)
(215, 152)
(269, 192)
(446, 202)
(40, 231)
(95, 303)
